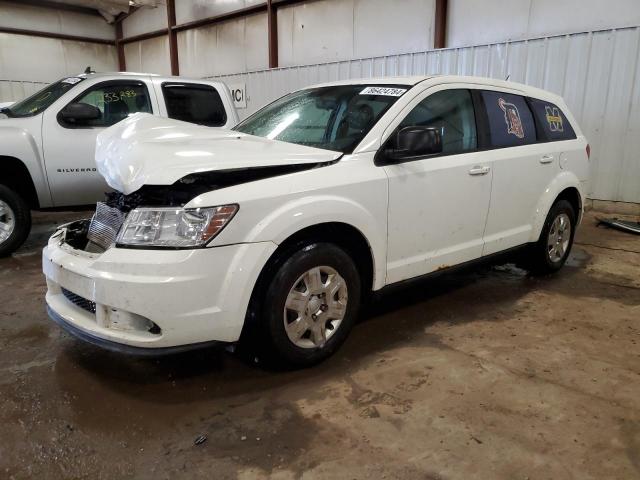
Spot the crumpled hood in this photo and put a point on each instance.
(145, 149)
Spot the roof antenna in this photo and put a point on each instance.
(507, 79)
(88, 69)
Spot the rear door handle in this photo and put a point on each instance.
(479, 170)
(546, 159)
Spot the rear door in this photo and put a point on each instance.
(523, 167)
(437, 204)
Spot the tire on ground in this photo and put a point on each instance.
(268, 312)
(538, 259)
(22, 215)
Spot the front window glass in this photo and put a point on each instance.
(451, 112)
(39, 101)
(334, 118)
(116, 101)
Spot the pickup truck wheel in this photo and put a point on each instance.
(15, 221)
(551, 251)
(310, 305)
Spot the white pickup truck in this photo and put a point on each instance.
(47, 141)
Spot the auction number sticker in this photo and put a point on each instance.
(388, 91)
(71, 80)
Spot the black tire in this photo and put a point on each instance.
(22, 216)
(539, 261)
(268, 314)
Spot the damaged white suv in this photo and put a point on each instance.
(278, 229)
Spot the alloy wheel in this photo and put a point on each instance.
(559, 237)
(315, 307)
(7, 221)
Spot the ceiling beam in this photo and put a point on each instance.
(208, 21)
(122, 63)
(58, 36)
(272, 26)
(173, 38)
(440, 30)
(242, 12)
(145, 36)
(57, 6)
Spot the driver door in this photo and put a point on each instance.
(438, 204)
(69, 150)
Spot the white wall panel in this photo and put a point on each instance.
(46, 59)
(14, 15)
(148, 56)
(358, 28)
(473, 22)
(597, 73)
(145, 20)
(383, 28)
(315, 32)
(233, 46)
(190, 10)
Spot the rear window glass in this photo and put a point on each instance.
(510, 120)
(552, 121)
(194, 103)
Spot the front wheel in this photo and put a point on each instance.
(551, 251)
(310, 304)
(15, 221)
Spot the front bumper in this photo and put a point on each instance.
(152, 299)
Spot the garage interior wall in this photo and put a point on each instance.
(580, 49)
(29, 62)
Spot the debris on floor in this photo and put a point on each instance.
(624, 225)
(200, 439)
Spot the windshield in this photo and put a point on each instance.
(39, 101)
(334, 118)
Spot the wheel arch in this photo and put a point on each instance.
(572, 195)
(343, 235)
(16, 175)
(565, 186)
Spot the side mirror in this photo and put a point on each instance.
(416, 141)
(80, 113)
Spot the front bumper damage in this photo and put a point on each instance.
(151, 301)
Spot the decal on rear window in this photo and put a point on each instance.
(511, 118)
(552, 114)
(388, 91)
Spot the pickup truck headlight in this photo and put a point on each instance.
(174, 227)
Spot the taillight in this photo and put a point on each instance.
(588, 151)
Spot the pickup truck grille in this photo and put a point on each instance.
(79, 301)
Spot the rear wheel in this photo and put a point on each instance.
(15, 221)
(551, 251)
(310, 305)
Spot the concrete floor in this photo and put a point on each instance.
(489, 374)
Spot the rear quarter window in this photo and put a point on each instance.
(553, 123)
(194, 103)
(510, 120)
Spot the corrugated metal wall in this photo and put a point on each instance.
(596, 72)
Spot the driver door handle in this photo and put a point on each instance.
(546, 159)
(479, 170)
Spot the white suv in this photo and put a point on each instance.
(275, 231)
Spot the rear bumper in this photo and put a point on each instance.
(162, 300)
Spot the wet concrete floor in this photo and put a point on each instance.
(486, 374)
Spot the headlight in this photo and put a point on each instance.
(174, 227)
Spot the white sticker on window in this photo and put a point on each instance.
(388, 91)
(71, 80)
